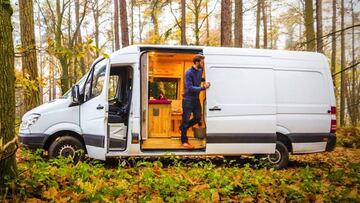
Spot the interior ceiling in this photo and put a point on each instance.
(179, 56)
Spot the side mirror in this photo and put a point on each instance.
(75, 94)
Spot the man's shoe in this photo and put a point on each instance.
(187, 145)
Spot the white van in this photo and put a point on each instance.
(260, 102)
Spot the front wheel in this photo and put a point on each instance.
(280, 158)
(67, 146)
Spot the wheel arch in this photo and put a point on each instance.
(285, 140)
(50, 139)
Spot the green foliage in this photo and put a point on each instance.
(182, 180)
(348, 137)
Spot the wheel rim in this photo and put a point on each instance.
(274, 158)
(67, 150)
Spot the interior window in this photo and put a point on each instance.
(95, 82)
(113, 86)
(168, 87)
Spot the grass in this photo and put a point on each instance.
(325, 177)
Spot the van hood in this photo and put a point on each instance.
(55, 105)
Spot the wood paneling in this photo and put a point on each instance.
(159, 120)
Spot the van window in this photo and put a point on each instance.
(166, 86)
(95, 82)
(114, 82)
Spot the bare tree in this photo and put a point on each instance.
(196, 7)
(258, 12)
(238, 30)
(183, 22)
(226, 23)
(319, 29)
(264, 18)
(309, 25)
(124, 24)
(343, 64)
(29, 60)
(116, 24)
(333, 37)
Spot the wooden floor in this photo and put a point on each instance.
(171, 143)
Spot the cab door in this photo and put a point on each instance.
(93, 110)
(240, 103)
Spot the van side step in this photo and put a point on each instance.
(172, 143)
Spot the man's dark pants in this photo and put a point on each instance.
(189, 106)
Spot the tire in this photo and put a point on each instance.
(280, 159)
(67, 146)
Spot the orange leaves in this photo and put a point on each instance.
(310, 178)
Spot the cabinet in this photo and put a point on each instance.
(159, 118)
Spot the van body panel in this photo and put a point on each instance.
(234, 114)
(64, 126)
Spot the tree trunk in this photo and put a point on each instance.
(95, 9)
(226, 23)
(183, 23)
(207, 25)
(132, 21)
(319, 30)
(333, 38)
(7, 90)
(271, 27)
(155, 20)
(309, 25)
(352, 107)
(29, 60)
(257, 37)
(343, 64)
(196, 22)
(140, 24)
(116, 24)
(124, 25)
(264, 18)
(78, 37)
(64, 80)
(238, 23)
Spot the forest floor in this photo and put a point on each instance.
(324, 177)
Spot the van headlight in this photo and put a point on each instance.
(30, 121)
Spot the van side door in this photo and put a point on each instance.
(240, 103)
(93, 110)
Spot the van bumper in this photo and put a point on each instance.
(331, 143)
(32, 141)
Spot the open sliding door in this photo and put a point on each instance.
(144, 77)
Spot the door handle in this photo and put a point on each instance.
(215, 108)
(99, 107)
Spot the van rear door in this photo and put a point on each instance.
(240, 103)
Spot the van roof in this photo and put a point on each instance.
(209, 50)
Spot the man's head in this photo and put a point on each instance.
(198, 60)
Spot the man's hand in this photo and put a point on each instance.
(207, 85)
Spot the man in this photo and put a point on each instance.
(191, 102)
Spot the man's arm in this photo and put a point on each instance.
(189, 84)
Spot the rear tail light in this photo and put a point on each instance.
(333, 120)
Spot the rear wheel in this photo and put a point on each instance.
(280, 158)
(67, 146)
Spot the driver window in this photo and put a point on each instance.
(94, 86)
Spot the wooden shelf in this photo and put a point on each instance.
(171, 143)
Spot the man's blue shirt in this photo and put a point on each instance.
(192, 84)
